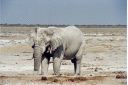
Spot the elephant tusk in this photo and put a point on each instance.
(30, 58)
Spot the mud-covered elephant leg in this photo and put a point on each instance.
(77, 60)
(77, 65)
(44, 65)
(57, 58)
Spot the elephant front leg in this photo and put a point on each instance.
(44, 65)
(57, 58)
(56, 66)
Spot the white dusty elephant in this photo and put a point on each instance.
(60, 43)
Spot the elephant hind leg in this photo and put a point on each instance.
(74, 62)
(77, 65)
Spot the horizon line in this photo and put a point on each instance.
(65, 24)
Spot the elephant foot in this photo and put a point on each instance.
(44, 74)
(35, 72)
(77, 75)
(57, 74)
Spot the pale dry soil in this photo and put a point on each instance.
(103, 63)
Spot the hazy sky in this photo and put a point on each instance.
(63, 11)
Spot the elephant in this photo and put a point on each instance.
(59, 43)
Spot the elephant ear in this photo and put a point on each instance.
(49, 32)
(56, 41)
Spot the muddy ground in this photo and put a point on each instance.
(104, 61)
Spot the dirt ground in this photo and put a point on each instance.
(103, 63)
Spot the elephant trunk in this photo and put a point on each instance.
(37, 58)
(37, 62)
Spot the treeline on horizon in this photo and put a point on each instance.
(80, 26)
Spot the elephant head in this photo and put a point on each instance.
(44, 37)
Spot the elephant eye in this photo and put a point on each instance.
(33, 46)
